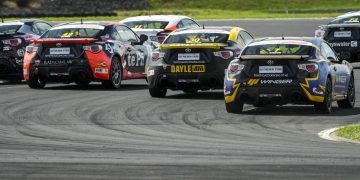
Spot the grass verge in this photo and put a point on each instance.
(197, 14)
(349, 132)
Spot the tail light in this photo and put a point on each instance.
(310, 67)
(235, 68)
(157, 55)
(224, 54)
(161, 39)
(93, 48)
(12, 42)
(29, 38)
(31, 49)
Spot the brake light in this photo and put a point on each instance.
(161, 39)
(311, 67)
(157, 55)
(29, 38)
(224, 54)
(12, 42)
(93, 48)
(235, 68)
(31, 49)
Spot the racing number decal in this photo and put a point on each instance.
(193, 40)
(109, 48)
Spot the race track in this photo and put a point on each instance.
(67, 132)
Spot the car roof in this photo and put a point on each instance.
(155, 18)
(69, 26)
(344, 25)
(349, 14)
(7, 23)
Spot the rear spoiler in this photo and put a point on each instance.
(274, 57)
(194, 46)
(75, 40)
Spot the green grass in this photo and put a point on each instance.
(350, 132)
(196, 14)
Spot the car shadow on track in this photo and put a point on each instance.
(207, 95)
(97, 87)
(300, 111)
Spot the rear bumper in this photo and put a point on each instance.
(64, 73)
(273, 95)
(9, 69)
(160, 76)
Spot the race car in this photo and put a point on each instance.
(347, 18)
(82, 52)
(279, 71)
(345, 40)
(14, 37)
(157, 27)
(195, 59)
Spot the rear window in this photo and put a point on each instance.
(9, 28)
(353, 19)
(343, 33)
(191, 38)
(147, 24)
(73, 33)
(278, 49)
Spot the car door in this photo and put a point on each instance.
(338, 70)
(135, 53)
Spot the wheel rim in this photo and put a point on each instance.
(351, 91)
(116, 73)
(328, 96)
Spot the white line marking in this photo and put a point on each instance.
(325, 134)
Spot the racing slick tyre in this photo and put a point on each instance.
(349, 102)
(35, 82)
(235, 107)
(158, 92)
(114, 81)
(326, 106)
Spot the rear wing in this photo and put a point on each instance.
(194, 46)
(274, 57)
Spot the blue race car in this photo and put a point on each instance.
(278, 71)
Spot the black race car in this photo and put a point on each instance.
(195, 59)
(344, 39)
(14, 37)
(85, 52)
(278, 71)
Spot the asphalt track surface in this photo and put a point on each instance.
(67, 132)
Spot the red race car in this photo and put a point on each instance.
(81, 53)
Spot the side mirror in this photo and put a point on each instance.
(143, 38)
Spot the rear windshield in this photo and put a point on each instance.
(352, 19)
(147, 24)
(343, 33)
(73, 33)
(9, 28)
(191, 38)
(278, 49)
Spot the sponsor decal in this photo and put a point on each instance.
(57, 62)
(354, 44)
(19, 61)
(188, 56)
(277, 81)
(252, 82)
(101, 71)
(340, 44)
(151, 73)
(187, 68)
(59, 51)
(317, 91)
(270, 69)
(137, 59)
(20, 52)
(6, 48)
(271, 75)
(340, 34)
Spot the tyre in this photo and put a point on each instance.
(115, 78)
(326, 106)
(349, 102)
(235, 107)
(158, 92)
(35, 82)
